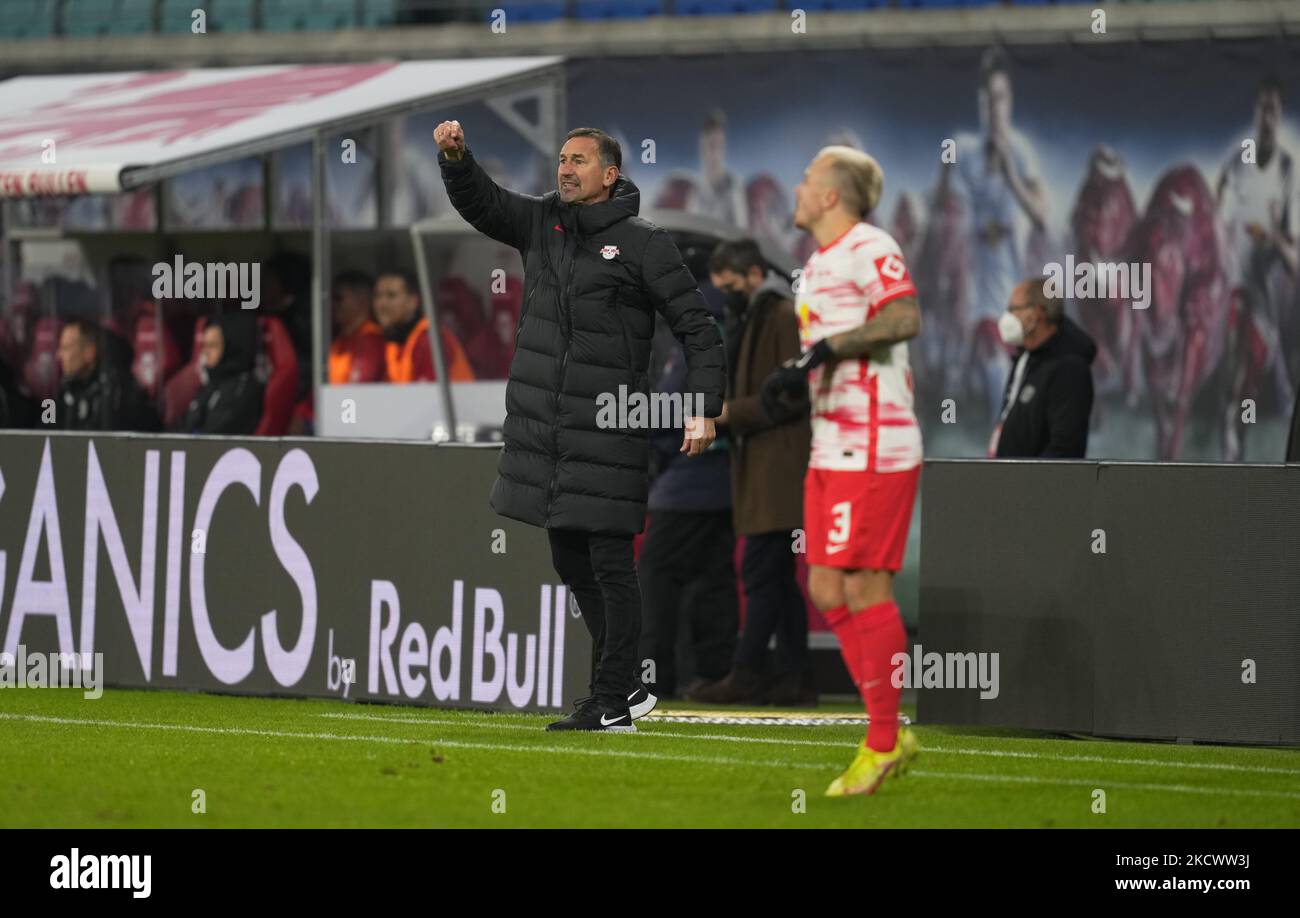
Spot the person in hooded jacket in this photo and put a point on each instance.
(1048, 396)
(595, 274)
(230, 401)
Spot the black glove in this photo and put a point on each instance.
(785, 391)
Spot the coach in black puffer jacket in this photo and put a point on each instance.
(594, 275)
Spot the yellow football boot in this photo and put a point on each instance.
(837, 787)
(870, 768)
(909, 747)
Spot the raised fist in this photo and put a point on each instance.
(450, 138)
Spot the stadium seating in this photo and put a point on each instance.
(75, 18)
(285, 15)
(106, 17)
(831, 6)
(952, 4)
(332, 14)
(378, 13)
(723, 7)
(175, 15)
(617, 9)
(308, 15)
(26, 18)
(536, 11)
(230, 15)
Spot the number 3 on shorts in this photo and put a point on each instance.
(840, 531)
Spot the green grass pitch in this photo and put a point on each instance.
(136, 758)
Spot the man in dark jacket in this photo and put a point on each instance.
(687, 568)
(1048, 396)
(97, 391)
(230, 401)
(769, 461)
(594, 276)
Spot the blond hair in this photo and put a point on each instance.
(856, 176)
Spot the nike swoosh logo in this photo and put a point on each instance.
(832, 549)
(606, 723)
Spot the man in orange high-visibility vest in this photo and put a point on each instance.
(409, 357)
(359, 352)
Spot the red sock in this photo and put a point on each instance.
(880, 637)
(841, 622)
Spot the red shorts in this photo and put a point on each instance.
(858, 520)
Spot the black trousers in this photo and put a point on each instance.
(688, 581)
(774, 605)
(600, 571)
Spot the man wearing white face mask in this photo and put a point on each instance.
(1048, 396)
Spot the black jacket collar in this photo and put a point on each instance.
(589, 219)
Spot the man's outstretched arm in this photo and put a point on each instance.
(504, 215)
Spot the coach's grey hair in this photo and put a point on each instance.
(1036, 295)
(857, 176)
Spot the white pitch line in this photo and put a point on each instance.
(1106, 784)
(424, 741)
(940, 750)
(617, 753)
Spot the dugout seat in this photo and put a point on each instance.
(145, 339)
(41, 369)
(278, 369)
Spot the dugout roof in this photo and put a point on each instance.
(107, 132)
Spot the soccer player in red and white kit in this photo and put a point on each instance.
(857, 308)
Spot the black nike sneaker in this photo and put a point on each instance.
(597, 716)
(641, 702)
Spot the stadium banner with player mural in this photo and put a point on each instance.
(363, 571)
(1134, 600)
(1179, 157)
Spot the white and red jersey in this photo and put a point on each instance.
(862, 417)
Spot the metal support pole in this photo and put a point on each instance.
(435, 332)
(320, 271)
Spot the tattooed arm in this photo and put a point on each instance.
(899, 320)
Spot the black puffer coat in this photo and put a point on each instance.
(594, 275)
